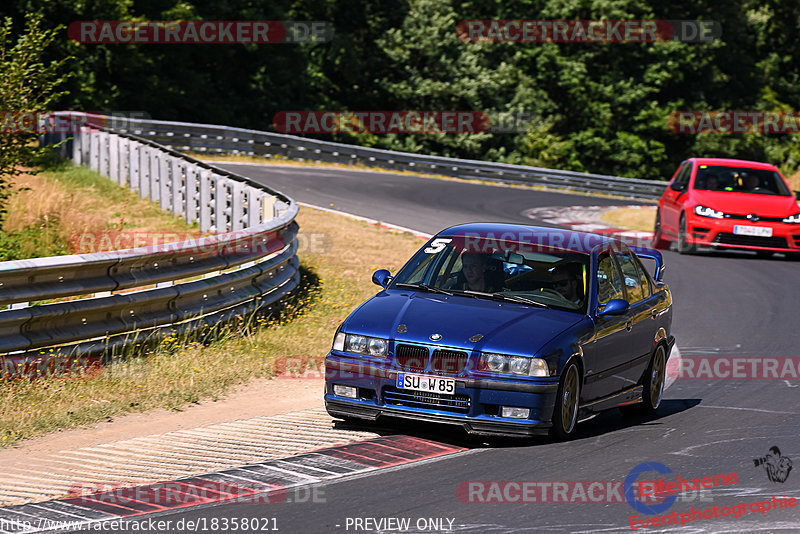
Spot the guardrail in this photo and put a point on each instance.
(150, 292)
(207, 138)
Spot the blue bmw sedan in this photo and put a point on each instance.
(506, 329)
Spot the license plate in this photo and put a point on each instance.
(432, 384)
(760, 231)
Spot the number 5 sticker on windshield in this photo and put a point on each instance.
(437, 245)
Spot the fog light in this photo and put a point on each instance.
(513, 412)
(345, 391)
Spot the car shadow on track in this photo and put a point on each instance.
(604, 423)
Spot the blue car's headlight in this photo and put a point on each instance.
(793, 219)
(370, 346)
(703, 211)
(514, 365)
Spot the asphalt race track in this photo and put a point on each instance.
(725, 304)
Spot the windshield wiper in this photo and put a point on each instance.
(424, 288)
(503, 296)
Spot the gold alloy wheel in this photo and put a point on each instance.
(569, 400)
(657, 377)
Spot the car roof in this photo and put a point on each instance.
(734, 163)
(560, 238)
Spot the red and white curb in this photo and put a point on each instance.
(588, 219)
(261, 483)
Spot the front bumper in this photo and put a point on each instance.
(480, 400)
(721, 233)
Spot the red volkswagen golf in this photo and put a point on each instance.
(728, 203)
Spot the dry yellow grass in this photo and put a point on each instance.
(641, 219)
(65, 203)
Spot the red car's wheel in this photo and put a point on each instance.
(684, 247)
(658, 238)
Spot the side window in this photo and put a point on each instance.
(683, 176)
(630, 273)
(609, 286)
(643, 279)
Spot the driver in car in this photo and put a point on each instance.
(565, 281)
(476, 274)
(750, 182)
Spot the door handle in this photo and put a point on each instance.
(629, 326)
(653, 313)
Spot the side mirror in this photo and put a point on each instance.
(615, 307)
(677, 186)
(797, 195)
(381, 277)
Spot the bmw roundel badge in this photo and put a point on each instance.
(435, 337)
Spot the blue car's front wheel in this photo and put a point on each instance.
(565, 412)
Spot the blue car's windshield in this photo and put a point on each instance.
(511, 270)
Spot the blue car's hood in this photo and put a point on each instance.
(505, 326)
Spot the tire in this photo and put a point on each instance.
(653, 387)
(658, 237)
(565, 411)
(684, 247)
(653, 391)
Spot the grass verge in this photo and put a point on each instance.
(630, 218)
(64, 202)
(178, 372)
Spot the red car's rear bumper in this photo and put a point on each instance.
(722, 233)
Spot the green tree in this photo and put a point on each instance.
(27, 84)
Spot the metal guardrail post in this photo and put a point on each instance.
(113, 158)
(165, 183)
(191, 193)
(177, 187)
(104, 158)
(94, 153)
(253, 206)
(84, 149)
(221, 204)
(155, 175)
(268, 207)
(133, 165)
(144, 172)
(205, 200)
(237, 208)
